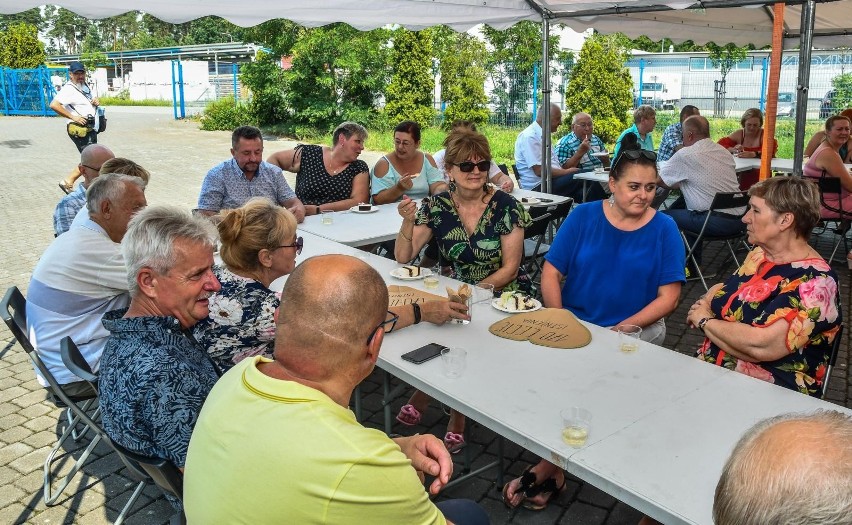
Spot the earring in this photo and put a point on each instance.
(611, 200)
(486, 186)
(452, 186)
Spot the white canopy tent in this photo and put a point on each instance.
(721, 21)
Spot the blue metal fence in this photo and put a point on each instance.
(26, 91)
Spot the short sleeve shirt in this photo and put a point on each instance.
(77, 100)
(804, 294)
(647, 143)
(528, 154)
(226, 186)
(570, 143)
(429, 175)
(154, 378)
(67, 209)
(316, 186)
(672, 136)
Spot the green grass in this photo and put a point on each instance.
(116, 101)
(502, 140)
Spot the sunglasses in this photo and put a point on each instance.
(467, 166)
(298, 245)
(633, 154)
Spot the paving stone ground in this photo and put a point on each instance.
(36, 154)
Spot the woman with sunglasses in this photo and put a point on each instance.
(622, 263)
(258, 245)
(406, 170)
(480, 234)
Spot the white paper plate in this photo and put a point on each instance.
(496, 304)
(354, 209)
(599, 154)
(399, 273)
(530, 201)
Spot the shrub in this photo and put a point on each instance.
(225, 115)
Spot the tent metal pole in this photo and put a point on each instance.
(546, 174)
(806, 41)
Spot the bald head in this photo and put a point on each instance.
(92, 158)
(330, 306)
(794, 469)
(695, 128)
(555, 116)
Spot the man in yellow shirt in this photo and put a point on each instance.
(276, 441)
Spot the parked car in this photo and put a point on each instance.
(826, 108)
(786, 105)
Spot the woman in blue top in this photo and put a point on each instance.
(623, 263)
(406, 170)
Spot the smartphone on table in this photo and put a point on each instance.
(424, 353)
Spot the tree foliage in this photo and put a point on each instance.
(843, 91)
(30, 16)
(20, 47)
(725, 57)
(600, 85)
(409, 96)
(461, 60)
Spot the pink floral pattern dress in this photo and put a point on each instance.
(803, 294)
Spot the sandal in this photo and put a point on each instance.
(67, 188)
(528, 489)
(454, 442)
(408, 415)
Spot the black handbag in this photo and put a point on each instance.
(102, 124)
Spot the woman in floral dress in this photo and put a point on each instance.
(777, 316)
(480, 234)
(259, 245)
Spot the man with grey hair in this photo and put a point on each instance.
(528, 159)
(80, 277)
(793, 469)
(91, 159)
(233, 182)
(644, 121)
(154, 375)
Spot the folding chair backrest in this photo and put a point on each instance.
(505, 169)
(14, 311)
(76, 363)
(832, 359)
(660, 197)
(164, 473)
(729, 200)
(831, 186)
(541, 218)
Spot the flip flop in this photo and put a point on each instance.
(66, 187)
(529, 489)
(527, 480)
(454, 442)
(408, 415)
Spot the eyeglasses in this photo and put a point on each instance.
(633, 154)
(298, 245)
(91, 168)
(392, 322)
(403, 143)
(467, 166)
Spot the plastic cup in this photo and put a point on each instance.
(483, 294)
(327, 217)
(453, 362)
(628, 337)
(576, 426)
(432, 281)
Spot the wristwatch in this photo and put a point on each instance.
(416, 308)
(703, 322)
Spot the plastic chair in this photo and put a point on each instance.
(535, 235)
(721, 202)
(831, 186)
(14, 315)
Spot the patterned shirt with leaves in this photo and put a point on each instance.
(805, 295)
(475, 257)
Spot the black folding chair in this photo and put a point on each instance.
(832, 360)
(831, 186)
(162, 472)
(536, 235)
(721, 202)
(660, 197)
(14, 307)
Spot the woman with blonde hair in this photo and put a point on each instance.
(258, 245)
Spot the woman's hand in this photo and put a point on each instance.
(699, 311)
(406, 182)
(407, 208)
(747, 154)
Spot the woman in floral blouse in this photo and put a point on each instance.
(480, 234)
(259, 245)
(777, 316)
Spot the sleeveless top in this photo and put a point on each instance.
(811, 171)
(315, 185)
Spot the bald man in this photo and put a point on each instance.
(791, 469)
(91, 159)
(276, 441)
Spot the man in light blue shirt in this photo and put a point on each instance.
(92, 158)
(673, 135)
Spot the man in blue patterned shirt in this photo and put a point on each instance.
(154, 376)
(92, 158)
(582, 148)
(232, 183)
(673, 135)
